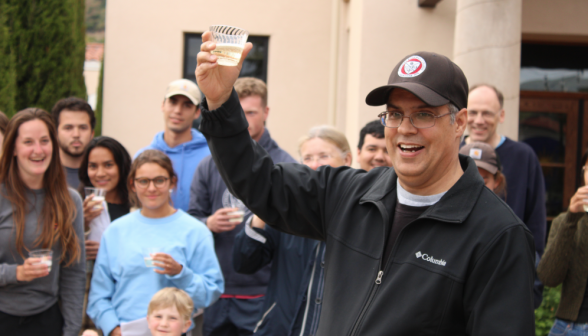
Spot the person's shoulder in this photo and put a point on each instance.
(191, 223)
(75, 196)
(494, 212)
(516, 148)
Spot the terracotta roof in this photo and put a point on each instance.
(94, 51)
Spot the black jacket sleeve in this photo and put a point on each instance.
(498, 296)
(251, 255)
(292, 197)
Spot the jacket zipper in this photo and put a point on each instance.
(378, 280)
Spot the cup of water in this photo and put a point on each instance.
(241, 213)
(46, 256)
(148, 255)
(99, 195)
(230, 42)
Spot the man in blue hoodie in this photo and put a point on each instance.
(238, 309)
(185, 146)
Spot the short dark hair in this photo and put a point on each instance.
(373, 128)
(499, 94)
(122, 160)
(73, 104)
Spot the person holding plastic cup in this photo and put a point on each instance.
(42, 262)
(565, 261)
(122, 284)
(299, 262)
(105, 167)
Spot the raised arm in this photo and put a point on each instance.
(291, 197)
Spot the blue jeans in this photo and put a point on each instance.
(561, 328)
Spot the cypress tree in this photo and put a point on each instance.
(47, 39)
(7, 65)
(98, 112)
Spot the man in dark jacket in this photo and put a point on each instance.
(421, 249)
(237, 311)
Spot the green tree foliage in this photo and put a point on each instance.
(7, 65)
(95, 15)
(545, 314)
(46, 38)
(98, 112)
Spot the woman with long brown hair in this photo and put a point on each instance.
(37, 211)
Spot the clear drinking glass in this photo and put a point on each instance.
(99, 195)
(148, 255)
(45, 255)
(230, 42)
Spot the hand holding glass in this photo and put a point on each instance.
(99, 195)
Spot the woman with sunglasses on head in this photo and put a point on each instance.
(106, 165)
(124, 280)
(38, 296)
(565, 261)
(292, 303)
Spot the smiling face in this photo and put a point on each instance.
(33, 150)
(256, 115)
(317, 152)
(168, 322)
(424, 158)
(178, 113)
(151, 196)
(484, 115)
(74, 132)
(103, 170)
(373, 153)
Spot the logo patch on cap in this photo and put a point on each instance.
(476, 153)
(412, 67)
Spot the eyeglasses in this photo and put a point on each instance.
(322, 159)
(159, 181)
(417, 119)
(485, 114)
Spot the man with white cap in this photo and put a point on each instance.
(419, 249)
(185, 146)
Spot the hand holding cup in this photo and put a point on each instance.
(579, 202)
(169, 265)
(215, 81)
(37, 266)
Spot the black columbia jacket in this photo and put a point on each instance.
(464, 267)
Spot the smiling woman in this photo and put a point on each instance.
(37, 211)
(155, 247)
(105, 164)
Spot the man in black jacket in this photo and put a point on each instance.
(421, 249)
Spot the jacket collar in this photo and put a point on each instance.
(454, 207)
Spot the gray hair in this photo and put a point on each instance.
(453, 112)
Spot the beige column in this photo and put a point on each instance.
(487, 46)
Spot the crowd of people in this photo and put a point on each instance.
(437, 233)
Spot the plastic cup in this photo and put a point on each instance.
(148, 255)
(586, 205)
(99, 195)
(238, 219)
(45, 255)
(230, 42)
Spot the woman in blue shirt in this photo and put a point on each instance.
(123, 283)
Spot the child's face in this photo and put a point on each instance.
(168, 322)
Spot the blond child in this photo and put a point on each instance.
(169, 312)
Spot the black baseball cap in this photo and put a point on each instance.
(434, 78)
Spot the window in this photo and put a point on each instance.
(255, 64)
(547, 67)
